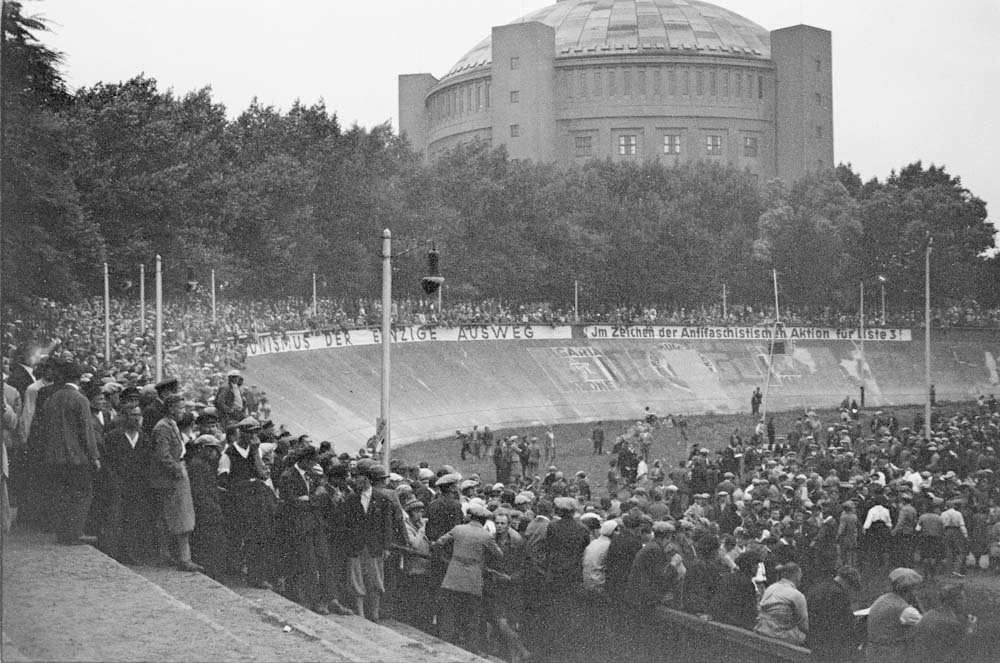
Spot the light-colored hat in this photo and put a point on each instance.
(903, 578)
(448, 479)
(425, 473)
(608, 527)
(479, 510)
(565, 504)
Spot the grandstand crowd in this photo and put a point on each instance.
(767, 532)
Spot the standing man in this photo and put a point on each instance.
(597, 437)
(303, 499)
(127, 457)
(370, 518)
(831, 634)
(756, 398)
(157, 409)
(231, 399)
(169, 478)
(71, 454)
(955, 537)
(461, 605)
(550, 445)
(249, 504)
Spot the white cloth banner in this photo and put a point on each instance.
(709, 333)
(302, 341)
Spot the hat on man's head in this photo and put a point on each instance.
(375, 472)
(903, 578)
(249, 423)
(129, 392)
(425, 473)
(850, 575)
(173, 399)
(565, 504)
(234, 374)
(468, 483)
(609, 526)
(412, 505)
(167, 384)
(207, 441)
(448, 479)
(479, 510)
(663, 527)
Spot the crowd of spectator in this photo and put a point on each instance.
(765, 533)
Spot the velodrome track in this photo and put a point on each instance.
(440, 386)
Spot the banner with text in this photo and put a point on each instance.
(695, 333)
(302, 341)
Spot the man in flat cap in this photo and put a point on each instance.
(169, 478)
(128, 529)
(231, 398)
(656, 571)
(70, 454)
(249, 505)
(832, 635)
(157, 408)
(471, 549)
(892, 618)
(371, 529)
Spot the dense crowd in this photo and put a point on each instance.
(746, 535)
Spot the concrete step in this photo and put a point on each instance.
(73, 603)
(356, 634)
(422, 636)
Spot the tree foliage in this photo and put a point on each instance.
(125, 171)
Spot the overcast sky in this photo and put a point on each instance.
(912, 79)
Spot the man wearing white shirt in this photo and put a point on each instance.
(878, 525)
(955, 536)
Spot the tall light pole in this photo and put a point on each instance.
(386, 340)
(142, 299)
(315, 310)
(159, 319)
(576, 300)
(107, 316)
(927, 337)
(882, 280)
(213, 297)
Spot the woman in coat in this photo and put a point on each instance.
(169, 478)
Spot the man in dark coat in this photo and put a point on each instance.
(71, 454)
(155, 410)
(303, 498)
(832, 636)
(371, 529)
(231, 399)
(209, 545)
(249, 505)
(126, 531)
(656, 571)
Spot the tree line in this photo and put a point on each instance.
(120, 172)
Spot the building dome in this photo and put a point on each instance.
(603, 27)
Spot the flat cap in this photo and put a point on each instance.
(448, 479)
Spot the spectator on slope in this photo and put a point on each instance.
(71, 454)
(656, 571)
(939, 634)
(130, 516)
(231, 400)
(169, 478)
(597, 437)
(735, 598)
(417, 584)
(249, 505)
(155, 409)
(209, 546)
(370, 517)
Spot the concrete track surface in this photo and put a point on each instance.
(438, 387)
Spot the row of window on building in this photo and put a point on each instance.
(658, 81)
(627, 144)
(461, 100)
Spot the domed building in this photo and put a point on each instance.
(674, 80)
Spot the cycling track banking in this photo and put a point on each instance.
(447, 378)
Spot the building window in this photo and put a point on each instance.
(461, 102)
(468, 98)
(584, 145)
(760, 87)
(713, 144)
(819, 131)
(749, 146)
(515, 130)
(672, 144)
(597, 82)
(656, 81)
(819, 99)
(686, 85)
(515, 96)
(487, 95)
(642, 82)
(750, 86)
(819, 65)
(612, 75)
(713, 86)
(671, 83)
(700, 82)
(627, 82)
(515, 62)
(739, 85)
(626, 144)
(583, 84)
(725, 84)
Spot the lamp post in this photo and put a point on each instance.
(927, 337)
(882, 280)
(386, 340)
